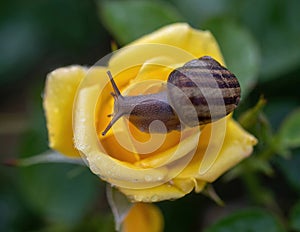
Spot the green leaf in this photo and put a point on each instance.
(258, 165)
(61, 193)
(275, 25)
(290, 169)
(278, 109)
(129, 20)
(249, 118)
(99, 222)
(199, 11)
(295, 217)
(249, 220)
(281, 55)
(289, 132)
(20, 46)
(256, 122)
(119, 204)
(239, 49)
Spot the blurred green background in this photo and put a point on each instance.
(260, 41)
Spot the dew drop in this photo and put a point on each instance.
(81, 146)
(82, 120)
(154, 198)
(148, 178)
(159, 178)
(138, 197)
(94, 168)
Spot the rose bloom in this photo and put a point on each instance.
(145, 167)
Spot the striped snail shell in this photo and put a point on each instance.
(207, 86)
(202, 86)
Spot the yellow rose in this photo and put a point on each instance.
(145, 167)
(144, 218)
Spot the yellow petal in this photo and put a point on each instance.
(106, 157)
(173, 189)
(199, 185)
(237, 145)
(143, 218)
(181, 35)
(175, 43)
(86, 139)
(59, 95)
(157, 175)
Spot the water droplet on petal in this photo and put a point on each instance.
(154, 198)
(138, 197)
(82, 120)
(148, 178)
(159, 178)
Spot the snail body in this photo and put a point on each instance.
(202, 86)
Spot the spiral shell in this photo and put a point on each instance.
(205, 86)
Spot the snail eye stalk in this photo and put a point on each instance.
(117, 95)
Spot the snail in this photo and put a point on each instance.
(201, 85)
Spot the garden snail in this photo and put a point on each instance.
(205, 85)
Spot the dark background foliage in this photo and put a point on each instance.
(260, 41)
